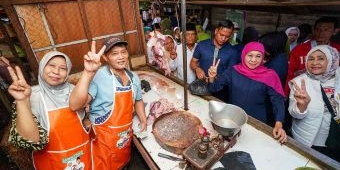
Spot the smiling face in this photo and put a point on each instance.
(169, 44)
(317, 63)
(293, 35)
(117, 57)
(55, 71)
(253, 59)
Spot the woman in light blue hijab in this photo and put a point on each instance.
(42, 121)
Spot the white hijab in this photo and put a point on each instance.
(293, 28)
(292, 45)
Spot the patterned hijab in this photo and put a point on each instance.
(261, 73)
(332, 55)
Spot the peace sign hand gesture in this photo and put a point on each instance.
(212, 72)
(92, 59)
(301, 95)
(19, 89)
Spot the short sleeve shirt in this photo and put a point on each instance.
(204, 52)
(102, 89)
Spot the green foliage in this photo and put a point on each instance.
(144, 5)
(167, 32)
(165, 24)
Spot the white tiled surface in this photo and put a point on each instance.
(312, 164)
(265, 151)
(165, 88)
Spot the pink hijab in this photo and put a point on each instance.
(260, 73)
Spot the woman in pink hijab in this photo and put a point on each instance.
(253, 87)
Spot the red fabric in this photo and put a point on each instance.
(260, 73)
(296, 64)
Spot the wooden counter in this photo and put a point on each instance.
(256, 137)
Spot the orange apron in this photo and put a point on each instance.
(112, 147)
(68, 141)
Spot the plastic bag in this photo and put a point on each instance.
(238, 160)
(199, 87)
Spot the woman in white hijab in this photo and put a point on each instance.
(309, 95)
(42, 121)
(293, 34)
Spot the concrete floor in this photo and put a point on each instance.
(137, 162)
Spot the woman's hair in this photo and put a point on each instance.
(305, 31)
(274, 42)
(250, 34)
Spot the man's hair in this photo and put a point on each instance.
(157, 26)
(327, 20)
(274, 42)
(225, 24)
(190, 27)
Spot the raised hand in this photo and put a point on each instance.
(301, 96)
(92, 59)
(4, 61)
(19, 89)
(212, 72)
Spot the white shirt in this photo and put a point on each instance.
(150, 54)
(156, 20)
(79, 166)
(177, 63)
(321, 136)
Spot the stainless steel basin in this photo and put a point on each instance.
(226, 119)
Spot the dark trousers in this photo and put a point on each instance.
(222, 95)
(334, 154)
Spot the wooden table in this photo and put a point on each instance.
(256, 138)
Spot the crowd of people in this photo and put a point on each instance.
(44, 113)
(275, 77)
(271, 77)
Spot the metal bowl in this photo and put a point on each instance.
(226, 119)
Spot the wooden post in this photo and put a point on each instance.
(184, 50)
(123, 26)
(12, 15)
(85, 22)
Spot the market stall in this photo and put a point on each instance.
(255, 139)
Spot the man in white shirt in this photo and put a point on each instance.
(79, 165)
(177, 63)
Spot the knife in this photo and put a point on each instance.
(170, 157)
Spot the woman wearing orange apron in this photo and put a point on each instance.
(43, 121)
(113, 93)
